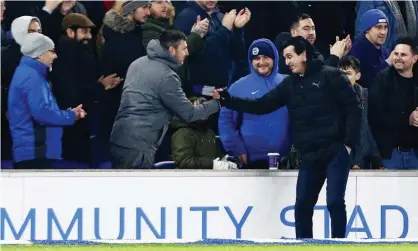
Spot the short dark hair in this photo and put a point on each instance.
(407, 40)
(301, 45)
(172, 37)
(347, 62)
(300, 17)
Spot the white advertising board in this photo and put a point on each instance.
(193, 205)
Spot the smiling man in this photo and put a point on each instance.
(394, 108)
(325, 116)
(368, 47)
(250, 138)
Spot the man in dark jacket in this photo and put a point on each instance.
(151, 97)
(76, 79)
(35, 119)
(394, 108)
(325, 115)
(224, 57)
(123, 45)
(368, 46)
(304, 26)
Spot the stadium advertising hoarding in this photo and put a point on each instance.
(131, 206)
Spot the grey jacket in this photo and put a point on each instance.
(366, 145)
(151, 97)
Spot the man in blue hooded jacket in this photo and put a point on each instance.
(35, 119)
(251, 137)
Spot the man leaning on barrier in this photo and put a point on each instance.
(325, 116)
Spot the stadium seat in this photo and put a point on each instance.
(6, 164)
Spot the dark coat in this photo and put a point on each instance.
(75, 74)
(194, 146)
(366, 145)
(123, 45)
(74, 78)
(386, 113)
(372, 60)
(323, 108)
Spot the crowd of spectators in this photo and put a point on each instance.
(133, 84)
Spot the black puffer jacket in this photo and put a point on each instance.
(323, 108)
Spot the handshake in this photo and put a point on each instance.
(222, 95)
(223, 164)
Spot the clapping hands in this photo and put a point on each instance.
(238, 20)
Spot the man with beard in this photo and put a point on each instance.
(325, 116)
(76, 80)
(368, 46)
(393, 108)
(304, 26)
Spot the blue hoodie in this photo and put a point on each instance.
(252, 134)
(34, 117)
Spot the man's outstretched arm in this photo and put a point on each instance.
(273, 100)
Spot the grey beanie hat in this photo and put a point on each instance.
(36, 44)
(130, 6)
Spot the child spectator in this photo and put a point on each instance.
(366, 154)
(194, 145)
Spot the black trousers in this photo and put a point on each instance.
(311, 178)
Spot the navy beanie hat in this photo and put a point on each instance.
(261, 48)
(371, 18)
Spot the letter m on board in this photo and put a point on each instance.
(4, 218)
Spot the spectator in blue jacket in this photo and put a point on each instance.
(251, 137)
(223, 58)
(35, 120)
(368, 45)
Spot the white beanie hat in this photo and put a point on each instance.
(36, 44)
(20, 27)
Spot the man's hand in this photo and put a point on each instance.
(348, 44)
(339, 48)
(51, 5)
(242, 18)
(356, 167)
(243, 159)
(229, 19)
(79, 112)
(110, 81)
(389, 60)
(222, 95)
(201, 27)
(66, 6)
(348, 149)
(413, 118)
